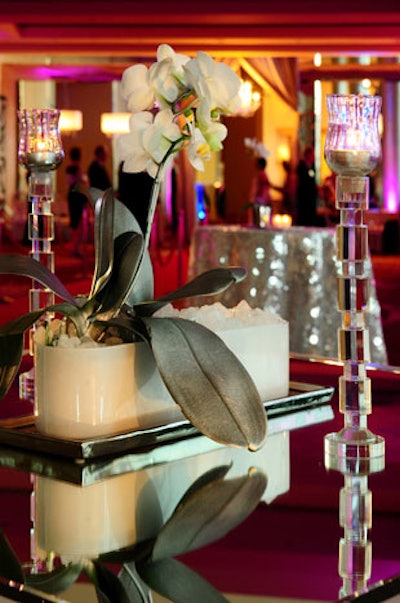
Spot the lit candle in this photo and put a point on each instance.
(40, 144)
(352, 162)
(40, 156)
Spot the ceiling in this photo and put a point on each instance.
(102, 38)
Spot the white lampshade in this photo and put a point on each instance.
(70, 121)
(114, 123)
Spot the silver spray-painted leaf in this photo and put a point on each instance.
(128, 248)
(103, 203)
(143, 289)
(26, 266)
(10, 567)
(57, 581)
(207, 380)
(211, 282)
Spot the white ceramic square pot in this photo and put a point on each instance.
(83, 392)
(264, 352)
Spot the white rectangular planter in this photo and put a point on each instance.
(89, 392)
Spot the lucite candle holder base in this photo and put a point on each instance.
(355, 442)
(349, 448)
(40, 151)
(352, 150)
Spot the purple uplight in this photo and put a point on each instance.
(390, 199)
(79, 73)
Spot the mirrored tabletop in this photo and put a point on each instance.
(197, 521)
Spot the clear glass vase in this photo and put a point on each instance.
(352, 145)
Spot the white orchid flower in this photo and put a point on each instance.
(191, 95)
(130, 146)
(215, 82)
(165, 51)
(166, 76)
(161, 136)
(198, 150)
(213, 131)
(162, 82)
(136, 89)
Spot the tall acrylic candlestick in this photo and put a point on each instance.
(40, 151)
(352, 151)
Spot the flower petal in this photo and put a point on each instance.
(136, 89)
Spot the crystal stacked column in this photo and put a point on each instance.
(40, 151)
(352, 150)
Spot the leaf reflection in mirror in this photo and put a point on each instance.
(210, 508)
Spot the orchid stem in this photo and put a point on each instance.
(155, 191)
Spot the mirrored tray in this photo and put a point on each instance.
(291, 412)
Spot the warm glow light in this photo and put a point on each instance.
(283, 151)
(317, 59)
(317, 97)
(281, 220)
(70, 121)
(114, 123)
(40, 145)
(380, 124)
(250, 100)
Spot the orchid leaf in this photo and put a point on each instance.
(135, 552)
(56, 581)
(211, 282)
(78, 316)
(125, 221)
(209, 514)
(137, 590)
(125, 324)
(208, 382)
(12, 340)
(11, 349)
(109, 585)
(128, 248)
(103, 237)
(179, 583)
(101, 597)
(23, 265)
(22, 323)
(10, 567)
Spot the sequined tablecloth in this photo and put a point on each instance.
(291, 272)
